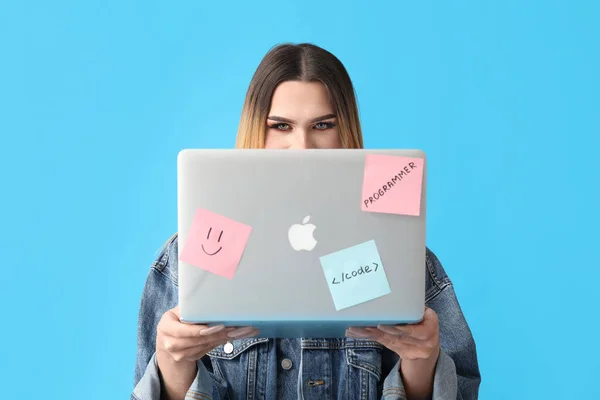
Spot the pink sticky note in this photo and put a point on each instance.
(392, 184)
(215, 243)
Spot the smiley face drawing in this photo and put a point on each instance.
(209, 247)
(218, 241)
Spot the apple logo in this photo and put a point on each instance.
(301, 235)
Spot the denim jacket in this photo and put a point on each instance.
(307, 369)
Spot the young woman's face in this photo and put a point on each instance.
(301, 117)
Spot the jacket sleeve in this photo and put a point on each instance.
(457, 372)
(160, 294)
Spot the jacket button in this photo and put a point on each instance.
(228, 348)
(286, 364)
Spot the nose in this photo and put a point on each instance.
(301, 140)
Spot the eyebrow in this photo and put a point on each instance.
(281, 119)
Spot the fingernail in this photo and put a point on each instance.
(240, 332)
(252, 334)
(212, 329)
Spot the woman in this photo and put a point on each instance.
(302, 97)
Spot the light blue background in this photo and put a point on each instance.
(358, 289)
(97, 98)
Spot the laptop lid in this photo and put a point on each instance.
(264, 207)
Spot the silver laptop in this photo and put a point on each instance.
(299, 249)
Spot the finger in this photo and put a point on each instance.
(387, 338)
(425, 329)
(212, 330)
(407, 347)
(179, 330)
(241, 332)
(357, 333)
(196, 352)
(354, 336)
(199, 351)
(174, 344)
(251, 332)
(175, 310)
(378, 335)
(430, 317)
(172, 326)
(393, 334)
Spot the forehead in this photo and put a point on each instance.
(300, 100)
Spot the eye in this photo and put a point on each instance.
(281, 126)
(323, 126)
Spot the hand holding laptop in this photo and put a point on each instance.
(179, 344)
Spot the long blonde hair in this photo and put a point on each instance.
(298, 62)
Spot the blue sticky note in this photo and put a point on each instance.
(355, 275)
